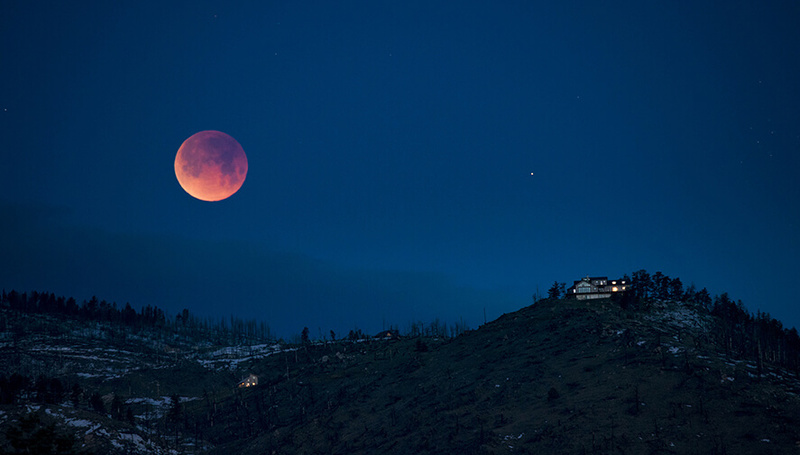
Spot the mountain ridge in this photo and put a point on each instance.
(559, 376)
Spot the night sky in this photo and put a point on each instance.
(407, 160)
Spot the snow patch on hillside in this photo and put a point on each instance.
(231, 357)
(678, 315)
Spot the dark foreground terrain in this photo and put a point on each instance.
(558, 377)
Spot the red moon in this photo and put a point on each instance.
(211, 165)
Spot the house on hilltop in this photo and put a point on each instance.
(249, 381)
(388, 335)
(598, 287)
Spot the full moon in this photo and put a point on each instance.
(210, 165)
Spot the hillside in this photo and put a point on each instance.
(560, 376)
(557, 377)
(106, 387)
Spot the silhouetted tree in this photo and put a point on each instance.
(117, 406)
(641, 284)
(11, 388)
(96, 402)
(675, 290)
(355, 335)
(174, 413)
(703, 297)
(657, 285)
(555, 291)
(689, 295)
(128, 315)
(41, 387)
(30, 436)
(75, 395)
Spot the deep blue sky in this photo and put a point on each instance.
(390, 148)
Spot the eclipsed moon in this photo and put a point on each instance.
(211, 165)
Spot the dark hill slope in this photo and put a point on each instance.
(557, 377)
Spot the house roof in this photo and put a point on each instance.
(590, 279)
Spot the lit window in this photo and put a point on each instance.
(614, 289)
(613, 282)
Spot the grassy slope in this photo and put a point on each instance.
(557, 377)
(489, 391)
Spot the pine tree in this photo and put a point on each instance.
(555, 291)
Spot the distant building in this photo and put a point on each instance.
(388, 334)
(249, 381)
(597, 287)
